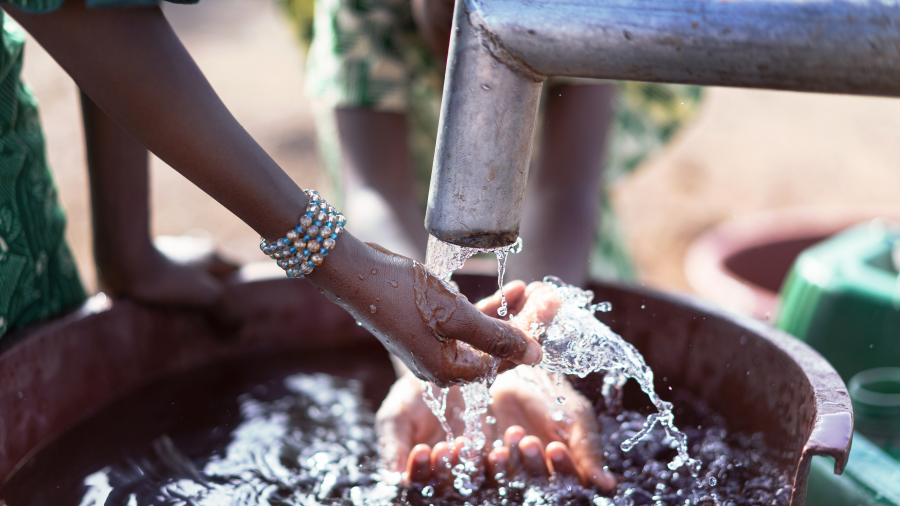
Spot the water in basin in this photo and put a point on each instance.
(257, 433)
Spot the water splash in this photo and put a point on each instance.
(577, 343)
(574, 343)
(310, 440)
(443, 258)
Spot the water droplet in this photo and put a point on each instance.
(393, 283)
(561, 399)
(490, 420)
(372, 309)
(361, 276)
(486, 87)
(712, 481)
(374, 271)
(358, 323)
(871, 346)
(558, 415)
(603, 307)
(427, 491)
(643, 306)
(501, 310)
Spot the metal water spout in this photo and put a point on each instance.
(502, 50)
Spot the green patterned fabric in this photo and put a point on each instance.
(51, 5)
(367, 53)
(38, 277)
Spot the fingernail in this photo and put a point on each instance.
(533, 353)
(531, 450)
(602, 478)
(556, 455)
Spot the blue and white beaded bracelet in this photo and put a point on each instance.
(305, 247)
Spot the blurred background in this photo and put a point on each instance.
(747, 151)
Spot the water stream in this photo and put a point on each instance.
(442, 259)
(575, 343)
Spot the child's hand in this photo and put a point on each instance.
(419, 318)
(536, 440)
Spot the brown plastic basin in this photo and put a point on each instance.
(760, 379)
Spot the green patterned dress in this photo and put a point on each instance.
(38, 277)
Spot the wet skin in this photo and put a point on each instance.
(130, 63)
(536, 444)
(380, 290)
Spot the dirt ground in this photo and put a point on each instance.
(747, 151)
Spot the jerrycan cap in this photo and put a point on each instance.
(876, 392)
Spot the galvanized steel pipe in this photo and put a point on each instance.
(502, 50)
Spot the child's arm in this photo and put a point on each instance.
(133, 66)
(127, 261)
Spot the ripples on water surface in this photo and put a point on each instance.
(309, 439)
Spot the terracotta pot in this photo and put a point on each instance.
(760, 379)
(741, 264)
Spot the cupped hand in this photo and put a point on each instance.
(420, 318)
(539, 435)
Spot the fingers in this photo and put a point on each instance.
(418, 467)
(534, 285)
(511, 439)
(497, 466)
(394, 445)
(461, 363)
(533, 458)
(440, 464)
(492, 336)
(524, 454)
(541, 304)
(586, 455)
(394, 425)
(514, 291)
(520, 455)
(561, 460)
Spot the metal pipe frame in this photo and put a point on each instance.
(502, 50)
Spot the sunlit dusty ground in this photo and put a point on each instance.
(748, 150)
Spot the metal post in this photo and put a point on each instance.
(502, 49)
(484, 143)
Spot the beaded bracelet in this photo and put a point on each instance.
(305, 247)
